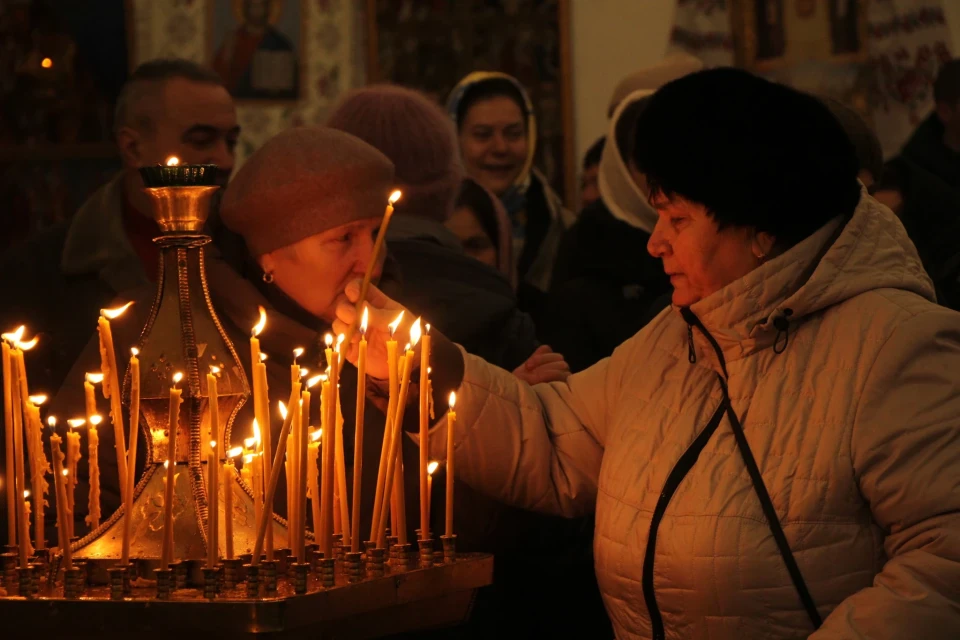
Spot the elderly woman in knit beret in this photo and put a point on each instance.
(778, 454)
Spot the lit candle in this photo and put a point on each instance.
(111, 387)
(392, 374)
(213, 505)
(89, 393)
(27, 510)
(271, 491)
(39, 466)
(173, 420)
(358, 431)
(424, 434)
(228, 480)
(261, 411)
(131, 455)
(17, 373)
(451, 422)
(8, 429)
(431, 468)
(397, 431)
(59, 480)
(374, 259)
(213, 395)
(93, 462)
(293, 460)
(73, 459)
(328, 451)
(313, 479)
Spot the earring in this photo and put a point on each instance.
(268, 277)
(762, 257)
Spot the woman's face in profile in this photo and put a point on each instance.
(465, 224)
(314, 271)
(698, 256)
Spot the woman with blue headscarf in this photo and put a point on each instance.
(497, 133)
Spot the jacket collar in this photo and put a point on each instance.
(97, 244)
(843, 259)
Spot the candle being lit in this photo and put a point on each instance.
(111, 387)
(451, 423)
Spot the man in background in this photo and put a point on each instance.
(57, 282)
(589, 186)
(935, 145)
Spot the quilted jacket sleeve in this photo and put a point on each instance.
(535, 447)
(906, 454)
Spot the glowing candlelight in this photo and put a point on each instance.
(392, 369)
(59, 480)
(111, 387)
(172, 161)
(451, 422)
(431, 468)
(261, 409)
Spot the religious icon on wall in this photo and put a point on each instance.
(778, 33)
(257, 47)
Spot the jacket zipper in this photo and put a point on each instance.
(675, 477)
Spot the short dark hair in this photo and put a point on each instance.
(946, 88)
(144, 81)
(592, 157)
(754, 153)
(487, 89)
(477, 199)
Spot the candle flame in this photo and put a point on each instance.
(113, 314)
(30, 344)
(312, 382)
(213, 444)
(173, 161)
(95, 419)
(363, 320)
(76, 422)
(304, 372)
(427, 327)
(65, 472)
(248, 459)
(14, 336)
(26, 493)
(249, 443)
(233, 453)
(214, 369)
(46, 63)
(432, 467)
(177, 377)
(408, 347)
(415, 332)
(134, 351)
(257, 328)
(38, 399)
(396, 323)
(283, 409)
(297, 353)
(453, 399)
(395, 196)
(316, 435)
(263, 357)
(328, 340)
(52, 421)
(256, 432)
(94, 378)
(166, 465)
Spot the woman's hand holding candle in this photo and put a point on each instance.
(383, 312)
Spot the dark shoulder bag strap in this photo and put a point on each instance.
(771, 514)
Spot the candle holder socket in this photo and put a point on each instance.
(449, 548)
(327, 573)
(72, 583)
(301, 571)
(211, 577)
(231, 572)
(253, 580)
(269, 569)
(180, 574)
(118, 576)
(375, 562)
(26, 581)
(426, 553)
(316, 556)
(282, 558)
(403, 556)
(165, 583)
(9, 565)
(392, 546)
(353, 567)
